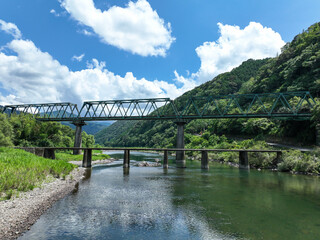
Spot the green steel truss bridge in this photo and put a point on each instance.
(288, 105)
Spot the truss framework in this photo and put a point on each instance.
(45, 111)
(289, 105)
(267, 105)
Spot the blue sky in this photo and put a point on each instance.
(76, 50)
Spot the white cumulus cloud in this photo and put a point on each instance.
(136, 28)
(30, 75)
(33, 76)
(10, 28)
(234, 46)
(78, 58)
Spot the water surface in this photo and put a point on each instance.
(153, 203)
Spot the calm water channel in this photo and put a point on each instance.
(152, 203)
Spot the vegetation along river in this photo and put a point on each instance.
(150, 202)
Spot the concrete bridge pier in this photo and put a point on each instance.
(78, 136)
(49, 153)
(318, 135)
(165, 160)
(243, 160)
(126, 159)
(87, 158)
(180, 155)
(204, 160)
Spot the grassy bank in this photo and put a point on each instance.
(22, 171)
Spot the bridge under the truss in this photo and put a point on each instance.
(290, 105)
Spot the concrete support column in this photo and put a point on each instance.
(165, 159)
(243, 160)
(39, 152)
(126, 159)
(30, 150)
(78, 137)
(204, 160)
(180, 155)
(318, 134)
(279, 157)
(87, 158)
(49, 153)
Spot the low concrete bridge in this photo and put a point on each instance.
(49, 152)
(283, 106)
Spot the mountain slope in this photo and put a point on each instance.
(108, 134)
(297, 68)
(149, 133)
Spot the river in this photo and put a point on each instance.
(152, 203)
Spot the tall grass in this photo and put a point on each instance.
(22, 171)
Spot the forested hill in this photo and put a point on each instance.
(297, 68)
(121, 133)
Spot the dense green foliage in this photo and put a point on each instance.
(22, 171)
(110, 133)
(24, 130)
(292, 161)
(297, 68)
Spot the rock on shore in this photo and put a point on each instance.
(17, 215)
(103, 161)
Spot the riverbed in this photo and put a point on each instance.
(151, 202)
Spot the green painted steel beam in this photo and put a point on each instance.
(288, 105)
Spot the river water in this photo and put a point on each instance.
(153, 203)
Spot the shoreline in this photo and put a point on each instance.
(18, 214)
(103, 161)
(236, 165)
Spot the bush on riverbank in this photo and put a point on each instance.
(292, 161)
(296, 161)
(23, 171)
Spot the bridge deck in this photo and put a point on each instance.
(153, 149)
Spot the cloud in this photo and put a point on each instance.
(52, 11)
(10, 28)
(33, 76)
(30, 75)
(78, 58)
(234, 46)
(86, 32)
(136, 28)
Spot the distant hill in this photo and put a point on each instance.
(149, 133)
(297, 68)
(91, 127)
(108, 134)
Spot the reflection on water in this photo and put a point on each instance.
(87, 173)
(151, 202)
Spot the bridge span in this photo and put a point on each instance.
(283, 106)
(49, 152)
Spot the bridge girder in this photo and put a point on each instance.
(289, 105)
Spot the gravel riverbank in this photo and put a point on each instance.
(17, 215)
(104, 161)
